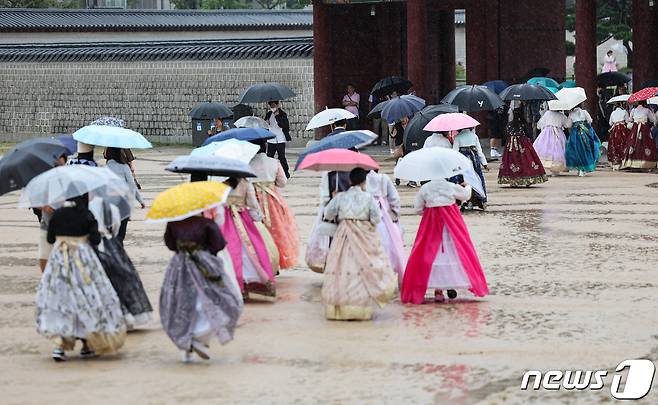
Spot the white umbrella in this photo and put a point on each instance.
(64, 182)
(328, 117)
(567, 98)
(251, 122)
(232, 148)
(432, 164)
(619, 99)
(116, 137)
(652, 100)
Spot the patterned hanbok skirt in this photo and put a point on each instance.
(75, 299)
(358, 275)
(640, 150)
(520, 165)
(471, 153)
(198, 300)
(583, 147)
(550, 146)
(617, 138)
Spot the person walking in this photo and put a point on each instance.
(280, 127)
(85, 155)
(43, 215)
(520, 165)
(379, 125)
(196, 299)
(551, 143)
(116, 162)
(75, 299)
(437, 140)
(583, 146)
(640, 149)
(468, 144)
(357, 273)
(618, 135)
(443, 256)
(351, 102)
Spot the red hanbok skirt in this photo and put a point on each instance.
(520, 165)
(640, 150)
(617, 138)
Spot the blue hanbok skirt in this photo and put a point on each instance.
(583, 147)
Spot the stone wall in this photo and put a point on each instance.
(153, 97)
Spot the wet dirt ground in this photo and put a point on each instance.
(571, 265)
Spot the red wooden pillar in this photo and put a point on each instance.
(586, 69)
(476, 65)
(416, 45)
(447, 60)
(322, 66)
(644, 36)
(492, 46)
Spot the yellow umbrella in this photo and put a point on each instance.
(186, 200)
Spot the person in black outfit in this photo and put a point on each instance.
(280, 127)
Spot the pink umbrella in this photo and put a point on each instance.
(451, 122)
(337, 159)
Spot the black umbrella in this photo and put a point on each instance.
(414, 136)
(266, 92)
(28, 160)
(473, 98)
(612, 79)
(390, 84)
(210, 166)
(210, 111)
(242, 110)
(527, 92)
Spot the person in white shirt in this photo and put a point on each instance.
(583, 146)
(640, 151)
(610, 64)
(551, 143)
(617, 135)
(437, 140)
(351, 102)
(280, 127)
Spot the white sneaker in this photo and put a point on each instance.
(581, 173)
(495, 154)
(187, 357)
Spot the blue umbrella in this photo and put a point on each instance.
(400, 107)
(114, 137)
(342, 140)
(497, 86)
(241, 134)
(68, 141)
(544, 81)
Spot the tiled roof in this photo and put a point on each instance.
(44, 20)
(197, 50)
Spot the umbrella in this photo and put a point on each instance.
(109, 121)
(619, 99)
(432, 164)
(568, 99)
(251, 122)
(399, 107)
(543, 81)
(568, 84)
(210, 111)
(527, 92)
(376, 112)
(210, 166)
(328, 117)
(414, 135)
(229, 148)
(343, 140)
(643, 94)
(612, 79)
(68, 141)
(472, 178)
(61, 183)
(187, 200)
(473, 98)
(241, 134)
(553, 89)
(450, 122)
(27, 160)
(115, 137)
(390, 84)
(342, 160)
(496, 85)
(265, 92)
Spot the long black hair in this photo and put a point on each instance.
(115, 154)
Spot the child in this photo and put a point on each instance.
(196, 300)
(443, 256)
(75, 299)
(357, 273)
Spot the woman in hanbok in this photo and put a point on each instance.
(520, 165)
(357, 275)
(617, 136)
(443, 256)
(116, 161)
(610, 62)
(277, 216)
(197, 300)
(640, 149)
(75, 299)
(551, 143)
(437, 140)
(468, 144)
(118, 266)
(245, 243)
(389, 229)
(583, 146)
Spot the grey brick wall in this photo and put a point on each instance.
(153, 97)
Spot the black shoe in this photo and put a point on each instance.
(397, 182)
(58, 355)
(452, 294)
(87, 353)
(412, 184)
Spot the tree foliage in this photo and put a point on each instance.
(41, 4)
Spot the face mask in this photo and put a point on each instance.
(273, 109)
